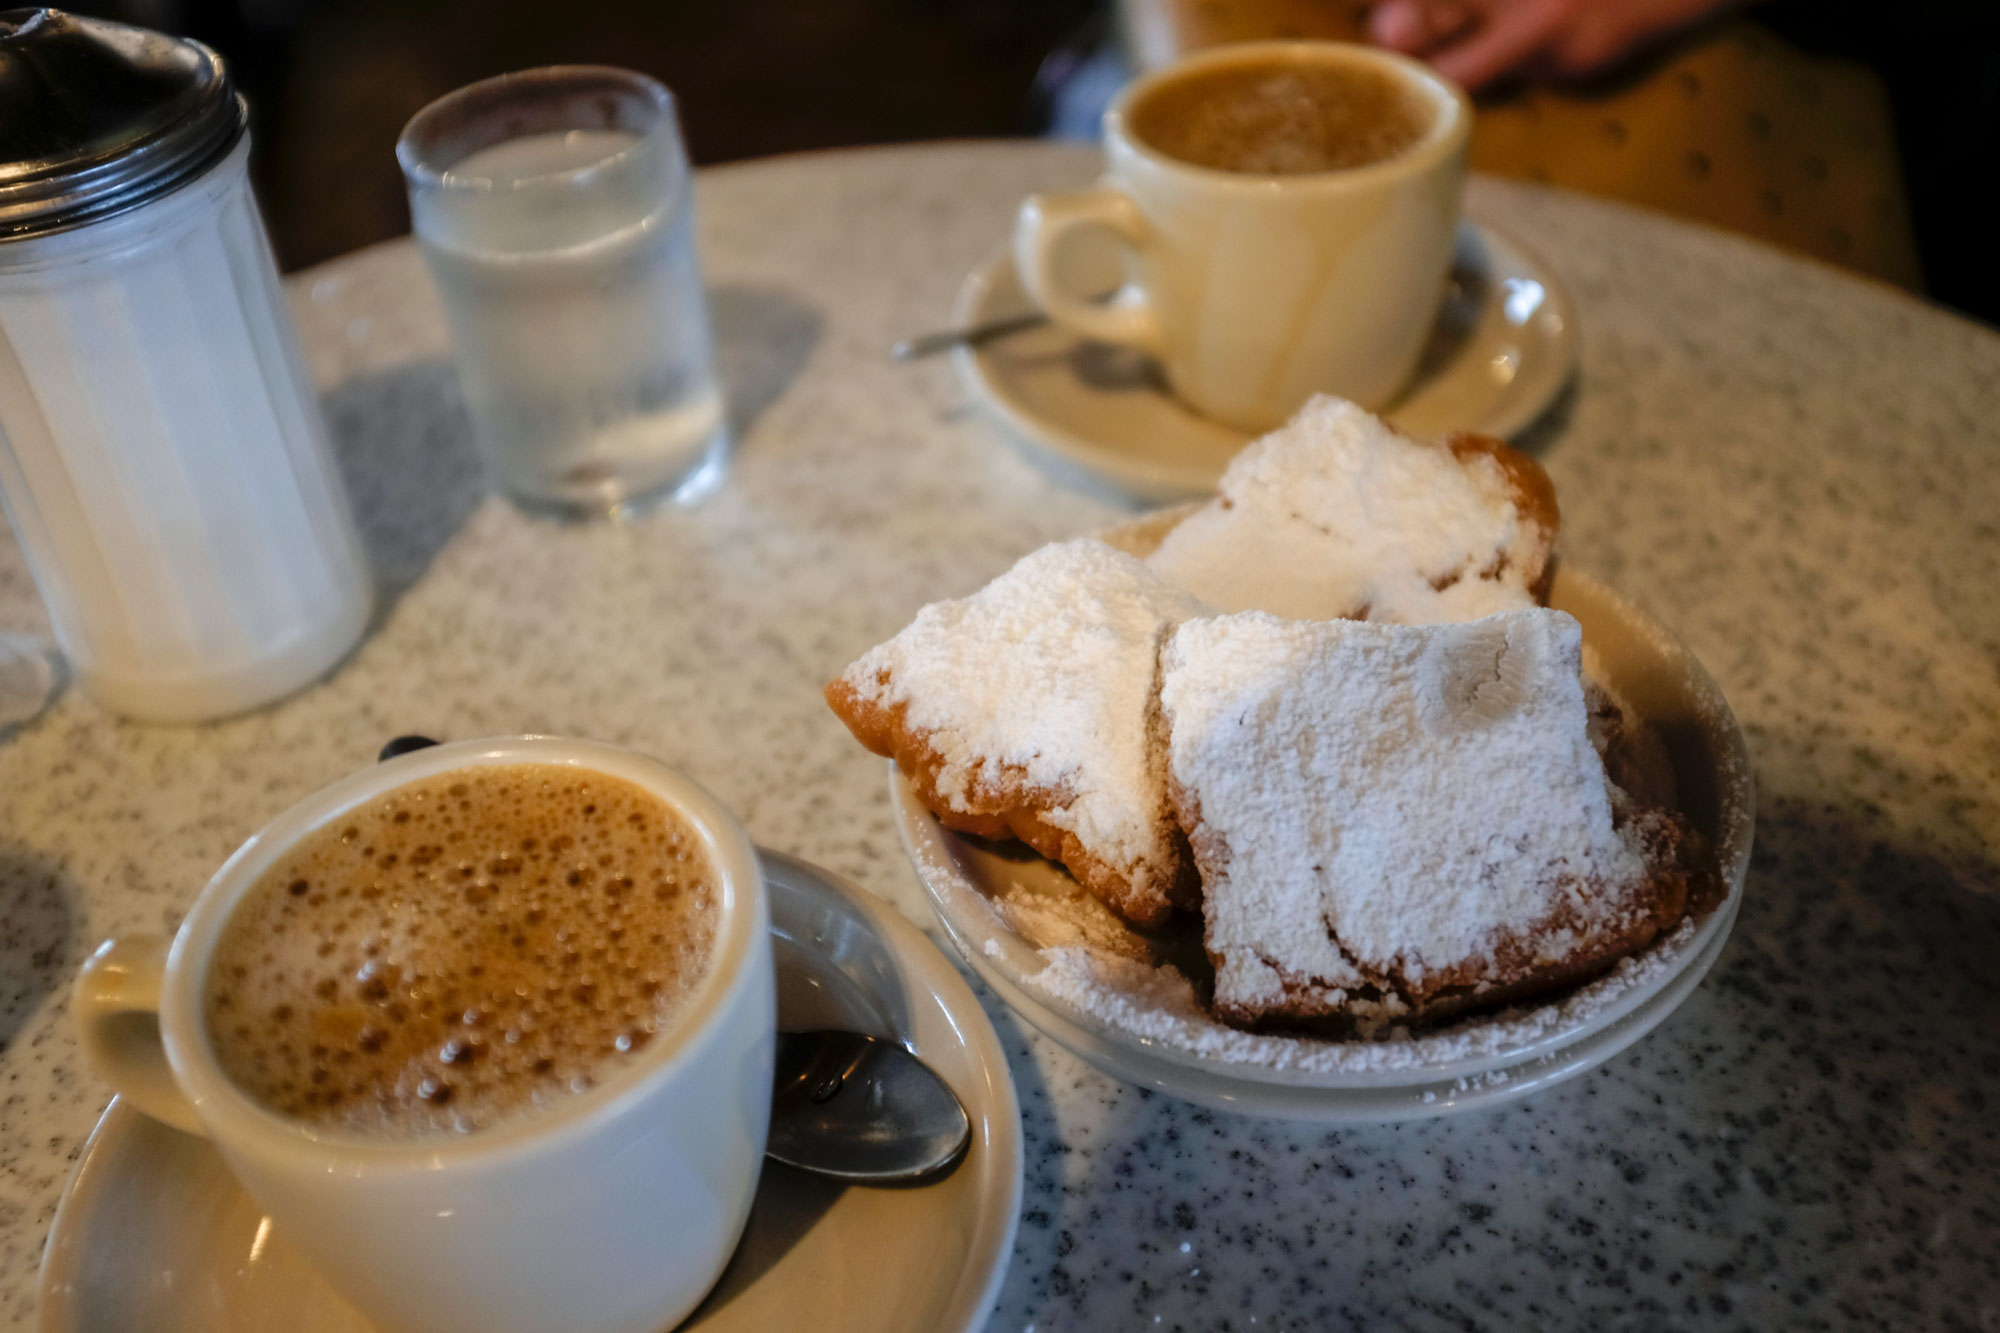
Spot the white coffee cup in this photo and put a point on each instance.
(1256, 292)
(613, 1210)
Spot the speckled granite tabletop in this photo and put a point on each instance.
(1798, 470)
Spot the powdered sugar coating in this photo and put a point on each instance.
(1335, 514)
(1387, 808)
(1048, 671)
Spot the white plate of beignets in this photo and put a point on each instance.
(1130, 1001)
(1328, 818)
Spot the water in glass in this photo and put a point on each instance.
(566, 260)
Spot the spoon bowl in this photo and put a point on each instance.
(859, 1108)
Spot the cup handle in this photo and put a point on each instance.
(1044, 220)
(116, 1005)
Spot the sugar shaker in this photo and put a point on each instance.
(163, 462)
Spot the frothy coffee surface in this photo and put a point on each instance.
(1282, 118)
(463, 950)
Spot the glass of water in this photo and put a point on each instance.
(556, 212)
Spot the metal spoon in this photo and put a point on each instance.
(972, 335)
(863, 1109)
(927, 344)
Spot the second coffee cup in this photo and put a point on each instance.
(486, 1029)
(1288, 211)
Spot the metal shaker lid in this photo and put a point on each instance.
(98, 117)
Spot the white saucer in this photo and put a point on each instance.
(1002, 906)
(154, 1234)
(1504, 346)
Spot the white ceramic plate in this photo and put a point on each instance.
(1504, 346)
(1002, 905)
(154, 1234)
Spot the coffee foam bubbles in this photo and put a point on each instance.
(1283, 117)
(463, 950)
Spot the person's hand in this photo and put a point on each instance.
(1476, 42)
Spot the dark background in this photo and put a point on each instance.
(331, 82)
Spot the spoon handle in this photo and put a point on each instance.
(929, 344)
